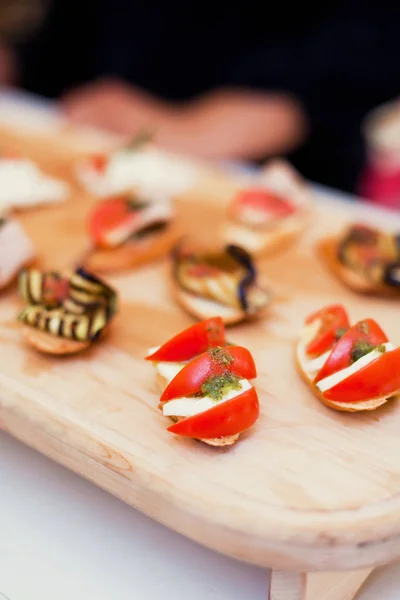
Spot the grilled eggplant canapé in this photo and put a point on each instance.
(128, 231)
(16, 250)
(366, 259)
(218, 282)
(205, 384)
(270, 211)
(64, 315)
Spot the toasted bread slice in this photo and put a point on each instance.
(51, 344)
(132, 254)
(327, 250)
(217, 442)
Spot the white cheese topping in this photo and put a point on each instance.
(187, 407)
(147, 169)
(22, 184)
(16, 250)
(332, 380)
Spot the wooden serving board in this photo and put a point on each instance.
(306, 489)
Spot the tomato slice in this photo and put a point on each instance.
(233, 359)
(363, 336)
(55, 289)
(226, 418)
(264, 201)
(334, 321)
(192, 341)
(98, 162)
(379, 378)
(109, 217)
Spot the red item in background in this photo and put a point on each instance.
(381, 186)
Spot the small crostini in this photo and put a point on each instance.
(270, 211)
(130, 230)
(23, 185)
(205, 384)
(16, 250)
(140, 166)
(365, 259)
(349, 368)
(64, 315)
(223, 283)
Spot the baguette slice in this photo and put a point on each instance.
(278, 176)
(229, 440)
(308, 377)
(327, 250)
(51, 344)
(132, 254)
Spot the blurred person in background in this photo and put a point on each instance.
(219, 80)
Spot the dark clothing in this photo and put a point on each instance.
(339, 59)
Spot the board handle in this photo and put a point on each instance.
(316, 586)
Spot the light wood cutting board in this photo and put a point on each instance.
(306, 489)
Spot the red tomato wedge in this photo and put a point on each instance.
(363, 334)
(226, 418)
(264, 201)
(379, 378)
(98, 162)
(233, 359)
(334, 321)
(192, 341)
(55, 289)
(109, 221)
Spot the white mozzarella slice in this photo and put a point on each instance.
(332, 380)
(187, 407)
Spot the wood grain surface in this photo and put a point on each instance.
(306, 489)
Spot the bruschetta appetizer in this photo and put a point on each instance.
(130, 230)
(349, 368)
(64, 315)
(223, 283)
(23, 185)
(16, 250)
(137, 166)
(365, 259)
(205, 384)
(269, 211)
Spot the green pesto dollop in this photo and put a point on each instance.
(217, 386)
(362, 348)
(221, 356)
(340, 332)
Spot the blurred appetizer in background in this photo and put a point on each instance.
(270, 211)
(205, 384)
(130, 230)
(64, 314)
(23, 185)
(349, 368)
(137, 166)
(222, 282)
(365, 259)
(16, 250)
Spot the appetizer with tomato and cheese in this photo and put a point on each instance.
(23, 185)
(130, 230)
(364, 258)
(348, 367)
(223, 283)
(16, 250)
(205, 384)
(269, 211)
(64, 315)
(137, 166)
